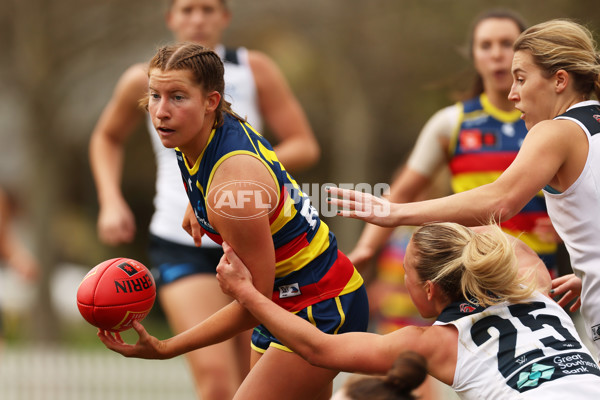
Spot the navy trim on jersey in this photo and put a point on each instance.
(459, 309)
(589, 116)
(231, 56)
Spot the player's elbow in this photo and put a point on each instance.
(315, 152)
(311, 153)
(316, 354)
(506, 208)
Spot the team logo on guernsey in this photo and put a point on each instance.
(466, 308)
(596, 332)
(289, 290)
(471, 139)
(228, 198)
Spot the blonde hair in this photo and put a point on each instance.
(480, 267)
(564, 44)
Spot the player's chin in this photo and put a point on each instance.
(168, 142)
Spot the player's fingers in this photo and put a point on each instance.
(344, 193)
(566, 299)
(196, 233)
(348, 214)
(342, 203)
(230, 253)
(576, 305)
(105, 338)
(560, 280)
(141, 331)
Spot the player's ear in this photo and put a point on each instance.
(212, 101)
(561, 79)
(430, 289)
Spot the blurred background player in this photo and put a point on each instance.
(13, 253)
(477, 139)
(188, 291)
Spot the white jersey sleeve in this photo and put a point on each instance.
(429, 153)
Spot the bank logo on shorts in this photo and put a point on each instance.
(289, 290)
(596, 332)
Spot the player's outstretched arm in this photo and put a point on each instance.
(499, 200)
(354, 351)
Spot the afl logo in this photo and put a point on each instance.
(596, 117)
(255, 198)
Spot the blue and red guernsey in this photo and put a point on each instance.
(484, 144)
(308, 265)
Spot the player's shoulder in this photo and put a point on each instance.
(261, 64)
(553, 131)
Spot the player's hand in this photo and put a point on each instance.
(232, 274)
(147, 346)
(364, 206)
(25, 264)
(569, 286)
(116, 223)
(192, 226)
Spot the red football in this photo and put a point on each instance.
(115, 293)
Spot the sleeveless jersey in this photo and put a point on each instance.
(520, 351)
(170, 201)
(485, 143)
(308, 265)
(575, 215)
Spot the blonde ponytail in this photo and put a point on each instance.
(481, 267)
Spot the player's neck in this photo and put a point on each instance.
(194, 149)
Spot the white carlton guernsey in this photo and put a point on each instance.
(575, 214)
(171, 200)
(520, 351)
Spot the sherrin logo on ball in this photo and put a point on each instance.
(115, 293)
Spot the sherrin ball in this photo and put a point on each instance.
(115, 293)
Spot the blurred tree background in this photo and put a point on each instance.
(368, 73)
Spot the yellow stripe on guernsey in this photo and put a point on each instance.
(318, 245)
(194, 169)
(472, 180)
(287, 214)
(237, 153)
(356, 281)
(507, 117)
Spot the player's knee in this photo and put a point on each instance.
(217, 383)
(216, 390)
